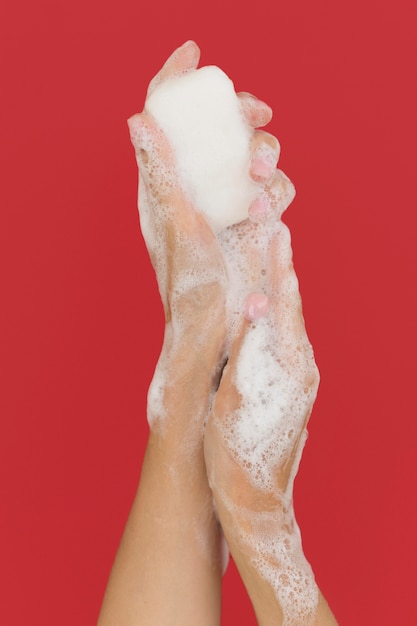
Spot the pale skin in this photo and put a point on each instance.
(169, 565)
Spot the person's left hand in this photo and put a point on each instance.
(188, 260)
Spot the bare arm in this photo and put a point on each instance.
(168, 570)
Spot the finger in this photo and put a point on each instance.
(154, 156)
(265, 151)
(281, 193)
(158, 171)
(283, 286)
(182, 60)
(147, 138)
(256, 112)
(286, 310)
(273, 199)
(224, 552)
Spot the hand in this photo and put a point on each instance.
(257, 428)
(191, 276)
(186, 256)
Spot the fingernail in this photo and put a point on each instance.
(258, 209)
(261, 169)
(256, 306)
(264, 162)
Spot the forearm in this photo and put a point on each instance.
(265, 543)
(167, 569)
(273, 582)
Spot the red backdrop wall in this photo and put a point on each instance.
(81, 323)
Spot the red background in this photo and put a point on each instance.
(81, 323)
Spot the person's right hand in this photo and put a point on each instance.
(257, 428)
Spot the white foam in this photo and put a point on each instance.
(272, 542)
(200, 114)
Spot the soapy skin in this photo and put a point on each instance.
(229, 299)
(256, 432)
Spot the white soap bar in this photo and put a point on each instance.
(200, 114)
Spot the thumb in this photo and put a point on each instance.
(154, 156)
